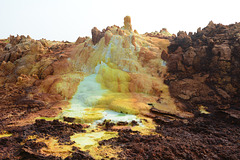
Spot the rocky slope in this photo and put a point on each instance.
(204, 69)
(122, 95)
(29, 74)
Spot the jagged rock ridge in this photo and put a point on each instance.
(204, 67)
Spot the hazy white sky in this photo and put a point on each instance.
(68, 19)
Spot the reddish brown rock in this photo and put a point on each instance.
(175, 63)
(223, 51)
(193, 90)
(15, 40)
(96, 35)
(2, 45)
(189, 56)
(134, 41)
(182, 40)
(145, 55)
(108, 35)
(135, 31)
(214, 51)
(164, 55)
(80, 40)
(120, 32)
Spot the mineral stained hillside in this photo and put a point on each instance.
(122, 95)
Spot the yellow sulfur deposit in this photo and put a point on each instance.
(87, 140)
(5, 134)
(113, 79)
(99, 152)
(123, 73)
(117, 79)
(203, 110)
(54, 148)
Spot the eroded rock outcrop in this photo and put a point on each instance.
(126, 64)
(127, 23)
(163, 34)
(96, 35)
(80, 40)
(212, 55)
(26, 65)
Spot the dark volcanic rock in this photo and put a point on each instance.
(79, 155)
(19, 146)
(213, 53)
(96, 35)
(55, 127)
(202, 138)
(182, 40)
